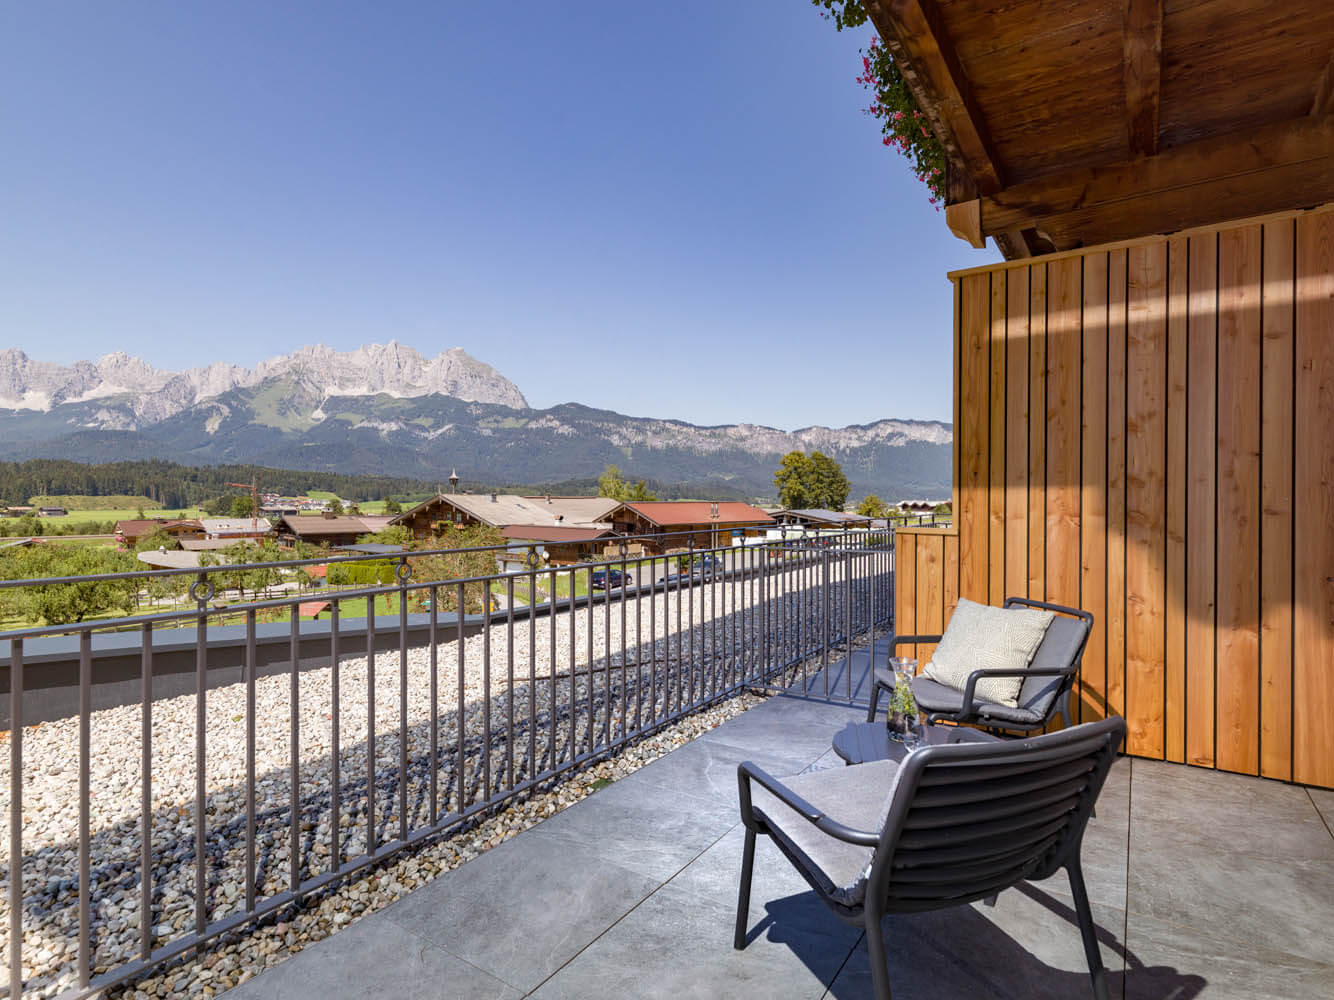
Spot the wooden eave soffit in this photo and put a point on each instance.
(1271, 169)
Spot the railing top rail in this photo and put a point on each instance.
(328, 560)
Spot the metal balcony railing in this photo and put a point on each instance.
(139, 833)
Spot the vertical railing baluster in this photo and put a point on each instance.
(201, 757)
(294, 738)
(680, 658)
(509, 681)
(372, 829)
(592, 720)
(145, 791)
(532, 663)
(653, 637)
(251, 664)
(335, 748)
(486, 691)
(551, 663)
(85, 834)
(625, 692)
(606, 660)
(435, 702)
(15, 818)
(460, 724)
(402, 699)
(574, 691)
(847, 640)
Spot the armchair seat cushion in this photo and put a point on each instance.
(856, 796)
(981, 637)
(934, 697)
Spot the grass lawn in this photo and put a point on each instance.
(119, 514)
(501, 587)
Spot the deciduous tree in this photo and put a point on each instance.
(873, 506)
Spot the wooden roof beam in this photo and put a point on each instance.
(1143, 71)
(1235, 176)
(915, 35)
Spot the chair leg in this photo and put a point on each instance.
(743, 892)
(875, 700)
(875, 949)
(1087, 929)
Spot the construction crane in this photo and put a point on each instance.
(253, 487)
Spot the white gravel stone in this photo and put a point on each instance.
(640, 685)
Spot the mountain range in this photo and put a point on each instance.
(387, 409)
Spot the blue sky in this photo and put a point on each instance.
(672, 210)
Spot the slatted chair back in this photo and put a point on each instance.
(967, 820)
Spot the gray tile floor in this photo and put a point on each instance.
(1203, 885)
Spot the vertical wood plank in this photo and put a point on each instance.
(996, 441)
(972, 440)
(1037, 427)
(1313, 505)
(1016, 433)
(1146, 343)
(951, 586)
(1238, 591)
(1174, 658)
(1276, 441)
(1064, 315)
(905, 590)
(1116, 482)
(930, 592)
(1201, 444)
(1093, 489)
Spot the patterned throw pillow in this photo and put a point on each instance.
(981, 637)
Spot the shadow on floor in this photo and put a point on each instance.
(961, 952)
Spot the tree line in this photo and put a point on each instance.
(175, 486)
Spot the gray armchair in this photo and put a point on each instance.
(950, 825)
(1048, 680)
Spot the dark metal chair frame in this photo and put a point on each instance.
(966, 821)
(970, 711)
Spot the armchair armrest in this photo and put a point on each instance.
(747, 772)
(899, 640)
(976, 675)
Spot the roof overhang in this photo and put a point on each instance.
(1072, 124)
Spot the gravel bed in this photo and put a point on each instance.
(586, 704)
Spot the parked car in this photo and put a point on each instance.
(706, 568)
(608, 577)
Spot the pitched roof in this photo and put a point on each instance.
(209, 544)
(504, 509)
(579, 510)
(172, 559)
(144, 526)
(345, 524)
(235, 525)
(555, 534)
(672, 513)
(824, 514)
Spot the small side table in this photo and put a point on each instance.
(862, 742)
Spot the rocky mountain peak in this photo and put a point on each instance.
(393, 369)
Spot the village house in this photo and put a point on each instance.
(236, 528)
(328, 529)
(690, 523)
(563, 545)
(129, 532)
(505, 510)
(821, 518)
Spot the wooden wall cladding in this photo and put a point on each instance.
(1147, 432)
